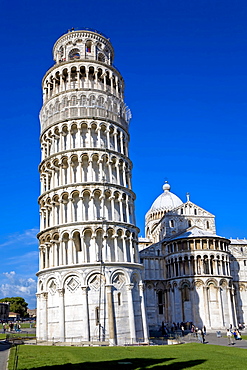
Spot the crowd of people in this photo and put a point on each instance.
(11, 326)
(200, 333)
(233, 333)
(172, 328)
(183, 327)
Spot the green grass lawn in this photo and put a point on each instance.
(194, 355)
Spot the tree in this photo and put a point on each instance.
(17, 305)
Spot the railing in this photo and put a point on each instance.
(82, 112)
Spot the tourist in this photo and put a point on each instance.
(238, 336)
(196, 331)
(235, 334)
(229, 336)
(202, 337)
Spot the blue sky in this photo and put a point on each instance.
(184, 65)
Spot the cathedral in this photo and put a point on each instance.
(97, 282)
(191, 274)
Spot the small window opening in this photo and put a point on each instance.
(97, 315)
(74, 54)
(160, 302)
(119, 299)
(185, 294)
(88, 47)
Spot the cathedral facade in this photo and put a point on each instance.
(191, 274)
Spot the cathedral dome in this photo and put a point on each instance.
(166, 201)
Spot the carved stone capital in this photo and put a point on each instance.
(84, 289)
(130, 286)
(61, 292)
(44, 295)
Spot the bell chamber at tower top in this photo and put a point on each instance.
(83, 44)
(83, 83)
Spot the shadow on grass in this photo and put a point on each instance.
(127, 363)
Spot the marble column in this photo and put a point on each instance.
(111, 322)
(61, 315)
(131, 313)
(85, 320)
(44, 316)
(38, 320)
(143, 311)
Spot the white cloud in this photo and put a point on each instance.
(27, 237)
(16, 285)
(30, 258)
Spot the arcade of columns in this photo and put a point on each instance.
(190, 280)
(89, 282)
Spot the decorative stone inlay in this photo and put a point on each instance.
(118, 281)
(52, 287)
(72, 284)
(95, 281)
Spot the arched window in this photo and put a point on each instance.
(92, 101)
(207, 225)
(74, 54)
(195, 211)
(101, 57)
(61, 53)
(205, 265)
(101, 101)
(160, 302)
(83, 100)
(89, 47)
(73, 100)
(171, 223)
(185, 293)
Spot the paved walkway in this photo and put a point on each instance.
(212, 338)
(4, 352)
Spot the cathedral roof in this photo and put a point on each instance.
(194, 232)
(166, 201)
(238, 241)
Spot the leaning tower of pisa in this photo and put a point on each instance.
(89, 280)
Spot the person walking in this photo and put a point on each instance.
(229, 337)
